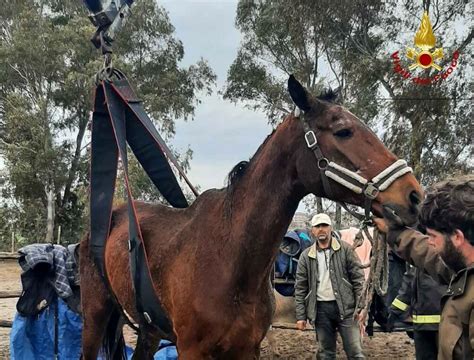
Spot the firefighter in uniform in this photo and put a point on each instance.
(420, 296)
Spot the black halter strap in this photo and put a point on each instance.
(350, 179)
(312, 143)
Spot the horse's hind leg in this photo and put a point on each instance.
(95, 303)
(96, 316)
(147, 344)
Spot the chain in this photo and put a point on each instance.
(107, 72)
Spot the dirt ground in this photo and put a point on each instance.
(291, 344)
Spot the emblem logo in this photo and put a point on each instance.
(425, 55)
(425, 41)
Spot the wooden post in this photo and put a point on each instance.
(13, 240)
(10, 294)
(59, 235)
(338, 217)
(6, 323)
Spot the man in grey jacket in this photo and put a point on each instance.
(329, 281)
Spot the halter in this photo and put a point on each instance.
(348, 178)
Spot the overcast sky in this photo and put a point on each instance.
(222, 133)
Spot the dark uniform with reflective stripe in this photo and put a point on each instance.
(456, 328)
(421, 295)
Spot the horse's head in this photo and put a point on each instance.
(341, 159)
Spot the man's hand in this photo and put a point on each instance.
(392, 220)
(362, 316)
(381, 224)
(361, 319)
(391, 225)
(301, 325)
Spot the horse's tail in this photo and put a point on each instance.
(113, 343)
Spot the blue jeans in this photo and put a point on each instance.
(328, 322)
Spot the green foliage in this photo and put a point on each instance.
(150, 55)
(46, 82)
(349, 44)
(273, 47)
(141, 186)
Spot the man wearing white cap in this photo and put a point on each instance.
(329, 281)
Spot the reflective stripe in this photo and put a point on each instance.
(399, 304)
(426, 319)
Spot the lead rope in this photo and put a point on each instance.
(378, 276)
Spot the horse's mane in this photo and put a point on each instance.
(239, 170)
(329, 95)
(237, 173)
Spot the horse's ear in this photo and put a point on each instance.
(298, 94)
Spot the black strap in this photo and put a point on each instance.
(144, 140)
(56, 328)
(119, 117)
(103, 172)
(322, 162)
(355, 214)
(147, 303)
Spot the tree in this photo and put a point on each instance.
(46, 79)
(429, 125)
(348, 44)
(275, 46)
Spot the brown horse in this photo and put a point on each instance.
(210, 263)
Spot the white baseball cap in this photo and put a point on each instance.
(321, 219)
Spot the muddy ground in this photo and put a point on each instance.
(291, 344)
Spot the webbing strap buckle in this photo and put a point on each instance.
(310, 138)
(371, 191)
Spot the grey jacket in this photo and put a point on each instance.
(346, 274)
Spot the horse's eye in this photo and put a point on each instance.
(343, 134)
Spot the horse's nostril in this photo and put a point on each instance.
(415, 197)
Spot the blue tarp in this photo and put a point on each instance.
(33, 338)
(167, 353)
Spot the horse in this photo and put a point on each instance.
(210, 263)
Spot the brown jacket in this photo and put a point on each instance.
(347, 279)
(456, 329)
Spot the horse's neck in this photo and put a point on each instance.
(264, 204)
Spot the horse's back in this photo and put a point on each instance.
(168, 220)
(173, 239)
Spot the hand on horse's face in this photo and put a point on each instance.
(390, 221)
(380, 224)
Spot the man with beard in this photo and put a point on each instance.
(446, 252)
(329, 280)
